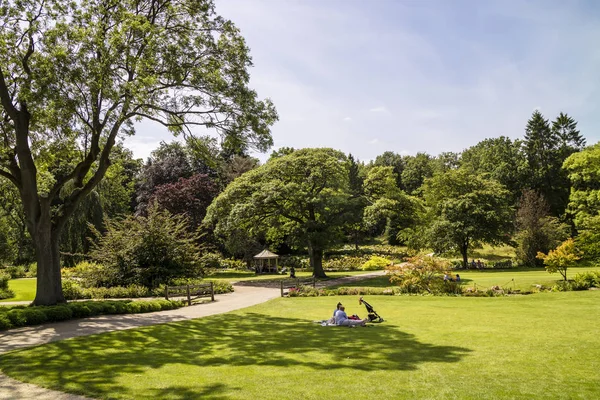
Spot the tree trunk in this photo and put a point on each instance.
(49, 284)
(463, 251)
(316, 261)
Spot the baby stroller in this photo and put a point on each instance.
(373, 316)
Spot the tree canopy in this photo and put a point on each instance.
(302, 197)
(465, 210)
(75, 75)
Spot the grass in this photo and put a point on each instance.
(520, 279)
(540, 346)
(24, 289)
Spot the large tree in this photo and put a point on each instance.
(465, 210)
(75, 75)
(502, 159)
(584, 202)
(303, 196)
(547, 146)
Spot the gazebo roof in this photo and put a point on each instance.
(266, 254)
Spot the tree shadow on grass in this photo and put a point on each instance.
(94, 364)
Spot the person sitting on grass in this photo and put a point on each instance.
(341, 319)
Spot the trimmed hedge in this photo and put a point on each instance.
(73, 291)
(25, 316)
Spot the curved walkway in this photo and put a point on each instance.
(242, 297)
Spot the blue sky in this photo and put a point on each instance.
(408, 76)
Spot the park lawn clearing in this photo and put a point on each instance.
(539, 346)
(524, 279)
(24, 289)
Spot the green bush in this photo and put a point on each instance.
(5, 292)
(91, 274)
(58, 313)
(375, 263)
(22, 316)
(344, 263)
(16, 271)
(4, 278)
(5, 322)
(16, 317)
(31, 270)
(80, 310)
(72, 290)
(34, 316)
(587, 280)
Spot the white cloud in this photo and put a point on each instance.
(374, 141)
(380, 109)
(347, 119)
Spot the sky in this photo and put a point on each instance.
(412, 76)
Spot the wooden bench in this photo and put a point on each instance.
(192, 292)
(295, 283)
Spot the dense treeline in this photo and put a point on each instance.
(531, 193)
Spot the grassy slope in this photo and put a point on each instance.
(24, 289)
(539, 346)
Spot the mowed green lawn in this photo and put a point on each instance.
(24, 289)
(521, 279)
(539, 346)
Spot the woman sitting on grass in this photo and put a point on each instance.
(341, 319)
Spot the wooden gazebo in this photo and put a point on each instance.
(265, 261)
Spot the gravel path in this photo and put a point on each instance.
(244, 296)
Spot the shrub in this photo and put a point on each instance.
(149, 250)
(90, 274)
(16, 317)
(423, 274)
(4, 278)
(80, 310)
(375, 263)
(16, 272)
(344, 263)
(22, 316)
(31, 270)
(72, 291)
(34, 316)
(5, 322)
(587, 280)
(58, 313)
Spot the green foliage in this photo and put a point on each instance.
(345, 262)
(416, 169)
(25, 316)
(301, 197)
(584, 202)
(423, 274)
(388, 206)
(464, 211)
(73, 291)
(89, 274)
(562, 258)
(546, 148)
(4, 278)
(587, 280)
(376, 263)
(148, 250)
(502, 160)
(537, 231)
(5, 292)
